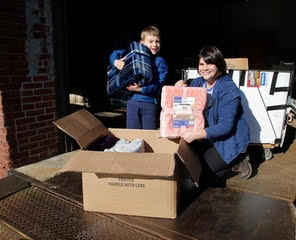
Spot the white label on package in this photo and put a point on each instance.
(183, 107)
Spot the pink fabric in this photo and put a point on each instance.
(182, 109)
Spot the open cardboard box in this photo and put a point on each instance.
(141, 184)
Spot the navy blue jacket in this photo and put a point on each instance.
(226, 126)
(151, 92)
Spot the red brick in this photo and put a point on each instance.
(51, 110)
(25, 120)
(32, 85)
(27, 93)
(37, 125)
(38, 150)
(34, 113)
(22, 128)
(19, 155)
(31, 99)
(45, 155)
(48, 142)
(28, 106)
(42, 91)
(46, 130)
(26, 134)
(44, 104)
(45, 117)
(27, 147)
(34, 159)
(40, 78)
(19, 115)
(53, 134)
(48, 98)
(22, 141)
(37, 138)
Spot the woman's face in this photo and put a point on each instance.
(207, 71)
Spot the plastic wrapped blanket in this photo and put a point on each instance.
(124, 145)
(182, 109)
(137, 69)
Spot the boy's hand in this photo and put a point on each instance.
(119, 63)
(134, 88)
(180, 83)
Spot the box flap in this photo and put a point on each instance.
(123, 164)
(191, 160)
(84, 127)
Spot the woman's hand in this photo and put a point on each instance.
(189, 135)
(119, 63)
(134, 88)
(180, 83)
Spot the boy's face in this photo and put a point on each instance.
(152, 42)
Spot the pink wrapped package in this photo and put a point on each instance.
(182, 109)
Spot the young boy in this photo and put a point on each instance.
(142, 109)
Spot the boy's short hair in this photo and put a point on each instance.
(150, 30)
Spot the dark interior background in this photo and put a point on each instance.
(261, 30)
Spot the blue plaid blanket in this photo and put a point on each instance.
(137, 68)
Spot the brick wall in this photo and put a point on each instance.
(27, 86)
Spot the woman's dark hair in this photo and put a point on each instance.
(212, 55)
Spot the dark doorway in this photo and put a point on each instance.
(92, 33)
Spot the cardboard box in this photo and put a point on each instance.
(142, 184)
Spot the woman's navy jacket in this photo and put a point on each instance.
(226, 126)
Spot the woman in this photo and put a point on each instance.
(223, 142)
